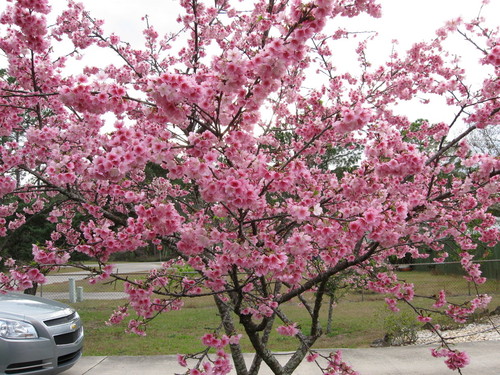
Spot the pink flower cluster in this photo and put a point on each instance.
(104, 274)
(235, 192)
(201, 144)
(392, 304)
(7, 185)
(76, 26)
(102, 241)
(36, 276)
(385, 283)
(336, 366)
(401, 166)
(172, 92)
(84, 97)
(220, 366)
(193, 241)
(263, 309)
(33, 26)
(424, 319)
(472, 269)
(49, 255)
(493, 57)
(352, 119)
(163, 219)
(273, 262)
(43, 136)
(311, 357)
(455, 359)
(241, 147)
(137, 327)
(320, 12)
(140, 300)
(214, 341)
(299, 212)
(461, 313)
(21, 278)
(288, 330)
(404, 291)
(118, 315)
(441, 300)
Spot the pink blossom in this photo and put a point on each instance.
(424, 319)
(181, 360)
(288, 330)
(36, 276)
(455, 359)
(392, 304)
(441, 301)
(312, 357)
(211, 146)
(300, 213)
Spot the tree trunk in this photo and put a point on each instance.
(330, 314)
(257, 361)
(32, 290)
(230, 330)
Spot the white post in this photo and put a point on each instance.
(72, 290)
(79, 293)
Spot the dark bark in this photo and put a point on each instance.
(229, 328)
(257, 361)
(330, 314)
(32, 290)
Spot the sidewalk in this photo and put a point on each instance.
(406, 360)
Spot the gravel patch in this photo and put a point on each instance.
(484, 331)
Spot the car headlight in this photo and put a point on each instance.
(17, 329)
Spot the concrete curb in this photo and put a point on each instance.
(406, 360)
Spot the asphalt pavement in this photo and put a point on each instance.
(119, 268)
(405, 360)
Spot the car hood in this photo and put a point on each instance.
(21, 305)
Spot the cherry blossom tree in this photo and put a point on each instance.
(217, 151)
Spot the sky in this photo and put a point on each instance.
(408, 21)
(403, 19)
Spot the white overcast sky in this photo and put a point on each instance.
(405, 20)
(408, 21)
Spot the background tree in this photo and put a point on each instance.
(225, 151)
(486, 141)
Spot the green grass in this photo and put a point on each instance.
(171, 333)
(180, 331)
(427, 283)
(355, 324)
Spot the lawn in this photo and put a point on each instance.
(355, 324)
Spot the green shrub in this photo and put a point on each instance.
(401, 328)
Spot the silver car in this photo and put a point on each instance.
(37, 335)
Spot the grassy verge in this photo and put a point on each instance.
(355, 324)
(427, 283)
(358, 318)
(180, 331)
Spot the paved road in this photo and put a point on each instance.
(133, 267)
(129, 268)
(408, 360)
